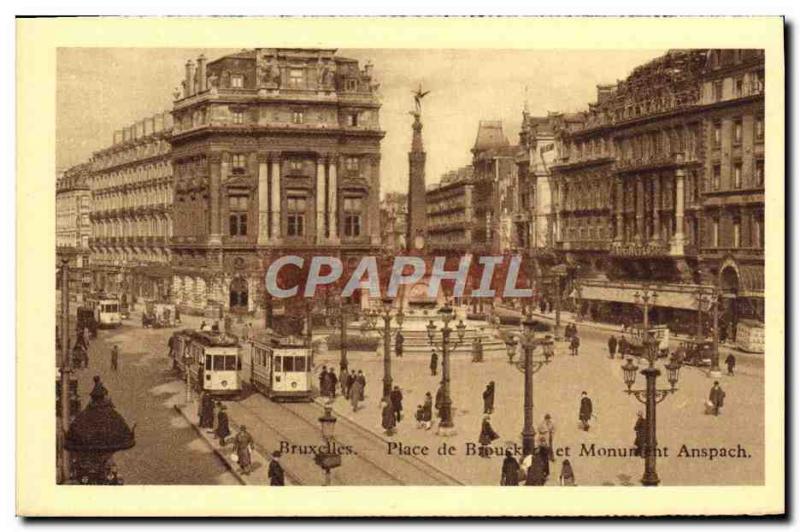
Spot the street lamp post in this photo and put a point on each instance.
(327, 458)
(711, 300)
(66, 369)
(339, 317)
(387, 333)
(650, 395)
(529, 366)
(187, 358)
(446, 314)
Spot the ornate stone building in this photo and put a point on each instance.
(657, 183)
(131, 184)
(732, 246)
(453, 225)
(275, 151)
(73, 224)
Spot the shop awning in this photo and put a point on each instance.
(751, 280)
(670, 296)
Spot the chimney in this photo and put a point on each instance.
(201, 73)
(189, 85)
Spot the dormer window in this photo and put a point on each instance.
(296, 166)
(297, 117)
(237, 81)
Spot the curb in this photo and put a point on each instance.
(224, 459)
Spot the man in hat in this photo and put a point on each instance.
(612, 346)
(546, 430)
(434, 362)
(398, 344)
(716, 397)
(323, 382)
(275, 471)
(585, 412)
(640, 430)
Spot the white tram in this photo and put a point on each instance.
(212, 360)
(106, 311)
(280, 367)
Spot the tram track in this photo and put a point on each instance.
(368, 464)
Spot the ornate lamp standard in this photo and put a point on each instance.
(529, 366)
(327, 458)
(446, 314)
(650, 395)
(387, 333)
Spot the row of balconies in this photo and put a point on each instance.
(128, 240)
(141, 210)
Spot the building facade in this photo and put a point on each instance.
(657, 184)
(275, 152)
(73, 223)
(453, 225)
(132, 191)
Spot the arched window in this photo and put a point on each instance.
(238, 294)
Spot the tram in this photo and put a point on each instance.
(212, 360)
(278, 366)
(106, 310)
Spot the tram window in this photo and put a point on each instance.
(219, 363)
(288, 363)
(300, 363)
(230, 362)
(208, 361)
(277, 363)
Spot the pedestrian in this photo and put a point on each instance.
(398, 344)
(547, 429)
(488, 398)
(612, 346)
(275, 471)
(716, 398)
(477, 350)
(427, 411)
(730, 361)
(509, 475)
(363, 380)
(622, 346)
(396, 400)
(206, 413)
(567, 476)
(542, 455)
(332, 382)
(535, 473)
(640, 430)
(177, 315)
(434, 362)
(202, 325)
(356, 393)
(115, 357)
(99, 391)
(215, 327)
(323, 382)
(487, 436)
(585, 413)
(388, 421)
(574, 344)
(351, 378)
(243, 443)
(542, 306)
(344, 378)
(439, 401)
(419, 415)
(223, 425)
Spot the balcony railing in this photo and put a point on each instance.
(635, 249)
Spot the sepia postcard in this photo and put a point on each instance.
(400, 267)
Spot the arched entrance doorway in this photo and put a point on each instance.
(729, 315)
(238, 295)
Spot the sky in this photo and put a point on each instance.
(100, 90)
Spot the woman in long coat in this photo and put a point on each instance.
(356, 393)
(243, 442)
(388, 420)
(223, 426)
(427, 411)
(487, 436)
(206, 411)
(535, 476)
(434, 362)
(488, 398)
